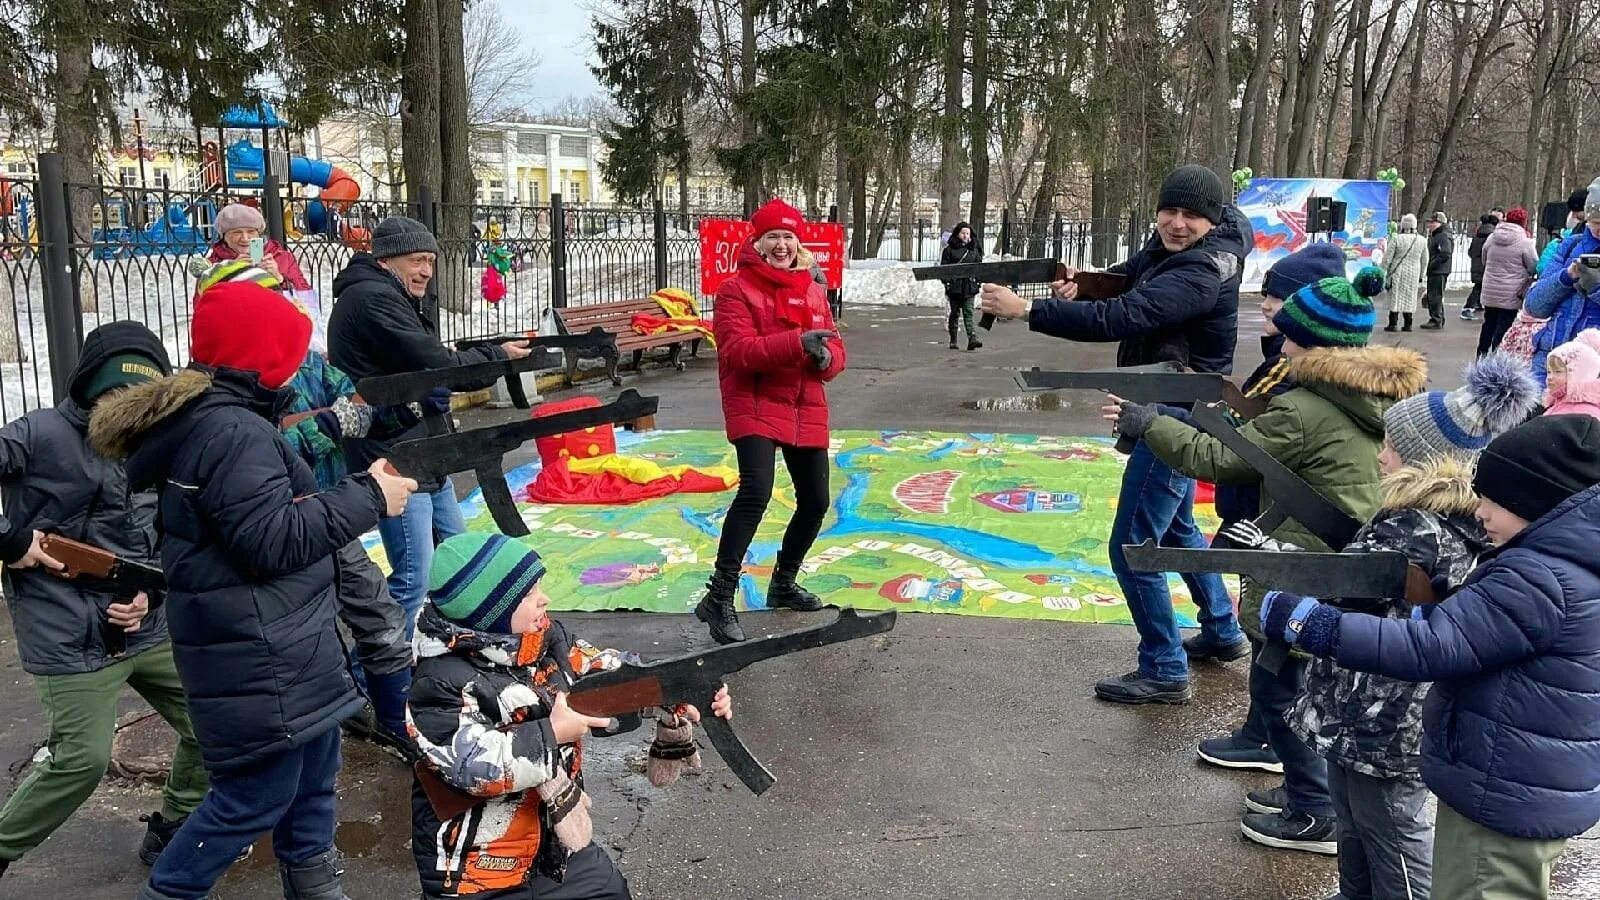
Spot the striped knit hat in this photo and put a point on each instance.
(1332, 312)
(478, 579)
(230, 270)
(1498, 395)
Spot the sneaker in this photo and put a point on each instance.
(1290, 830)
(1268, 802)
(1233, 752)
(158, 833)
(1468, 314)
(1201, 648)
(1134, 688)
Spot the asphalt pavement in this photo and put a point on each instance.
(957, 757)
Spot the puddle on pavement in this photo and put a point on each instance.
(357, 838)
(1046, 402)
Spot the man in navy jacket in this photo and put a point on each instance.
(1182, 305)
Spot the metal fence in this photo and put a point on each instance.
(74, 256)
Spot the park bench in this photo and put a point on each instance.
(617, 319)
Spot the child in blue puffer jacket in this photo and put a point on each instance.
(1511, 730)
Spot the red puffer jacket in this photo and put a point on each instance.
(770, 387)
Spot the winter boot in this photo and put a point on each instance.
(782, 591)
(158, 833)
(1433, 324)
(1409, 320)
(973, 343)
(315, 879)
(953, 345)
(716, 608)
(1394, 322)
(149, 893)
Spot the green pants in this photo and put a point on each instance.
(1471, 862)
(960, 308)
(82, 711)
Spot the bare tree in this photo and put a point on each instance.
(499, 64)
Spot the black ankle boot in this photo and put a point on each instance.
(973, 343)
(1394, 322)
(1407, 326)
(716, 609)
(782, 591)
(317, 878)
(953, 340)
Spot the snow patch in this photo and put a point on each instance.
(886, 283)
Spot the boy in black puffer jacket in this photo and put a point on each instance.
(247, 542)
(488, 712)
(82, 640)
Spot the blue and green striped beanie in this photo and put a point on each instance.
(478, 579)
(1333, 312)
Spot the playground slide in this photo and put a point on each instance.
(338, 189)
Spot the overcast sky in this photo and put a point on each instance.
(559, 31)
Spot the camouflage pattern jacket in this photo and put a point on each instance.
(1371, 723)
(479, 710)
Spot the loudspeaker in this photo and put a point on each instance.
(1324, 215)
(1553, 217)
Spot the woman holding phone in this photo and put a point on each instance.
(776, 349)
(241, 233)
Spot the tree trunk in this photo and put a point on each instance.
(1330, 125)
(980, 118)
(908, 211)
(1542, 73)
(683, 196)
(77, 139)
(1408, 127)
(747, 86)
(1380, 127)
(1308, 93)
(1439, 173)
(1246, 147)
(1284, 118)
(1360, 90)
(458, 184)
(420, 149)
(860, 221)
(841, 185)
(951, 162)
(1221, 42)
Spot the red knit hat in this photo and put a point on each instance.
(1516, 215)
(776, 215)
(242, 325)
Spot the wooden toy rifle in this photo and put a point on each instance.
(1091, 285)
(126, 577)
(1142, 385)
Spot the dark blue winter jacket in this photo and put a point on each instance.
(246, 543)
(1511, 730)
(1181, 307)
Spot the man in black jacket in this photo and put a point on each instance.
(379, 326)
(1182, 304)
(1441, 257)
(1486, 225)
(81, 639)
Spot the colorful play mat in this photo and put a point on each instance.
(1009, 525)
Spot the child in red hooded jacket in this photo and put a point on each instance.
(776, 348)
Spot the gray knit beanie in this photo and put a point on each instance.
(238, 215)
(1591, 204)
(1498, 396)
(398, 236)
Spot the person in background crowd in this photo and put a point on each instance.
(237, 226)
(1509, 264)
(1575, 221)
(776, 351)
(1404, 261)
(1510, 726)
(385, 321)
(1486, 224)
(80, 641)
(1441, 257)
(961, 293)
(1568, 293)
(247, 543)
(1572, 377)
(1181, 305)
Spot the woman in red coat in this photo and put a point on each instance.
(776, 348)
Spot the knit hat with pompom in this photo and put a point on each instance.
(1498, 396)
(1333, 312)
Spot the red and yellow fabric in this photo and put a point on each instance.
(678, 314)
(584, 467)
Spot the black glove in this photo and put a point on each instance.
(1135, 419)
(815, 343)
(328, 423)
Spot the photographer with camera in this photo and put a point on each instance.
(1568, 293)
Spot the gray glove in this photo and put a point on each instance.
(1136, 418)
(1588, 278)
(815, 343)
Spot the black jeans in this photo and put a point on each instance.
(808, 468)
(1496, 322)
(1475, 299)
(1305, 774)
(1436, 297)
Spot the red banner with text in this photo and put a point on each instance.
(720, 240)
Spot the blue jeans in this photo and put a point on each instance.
(409, 539)
(1305, 774)
(290, 794)
(1157, 504)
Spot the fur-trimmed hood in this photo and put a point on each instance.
(120, 421)
(1443, 486)
(1393, 373)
